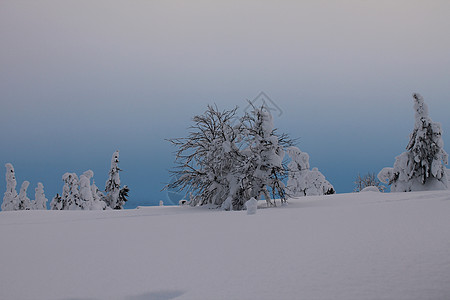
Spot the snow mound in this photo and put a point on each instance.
(350, 246)
(370, 189)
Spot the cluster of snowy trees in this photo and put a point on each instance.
(421, 166)
(14, 201)
(226, 161)
(78, 192)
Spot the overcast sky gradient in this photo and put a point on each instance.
(80, 79)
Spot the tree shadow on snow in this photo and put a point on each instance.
(160, 295)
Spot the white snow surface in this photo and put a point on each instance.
(346, 246)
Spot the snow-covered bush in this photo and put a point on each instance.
(224, 163)
(252, 206)
(368, 180)
(421, 167)
(10, 199)
(301, 180)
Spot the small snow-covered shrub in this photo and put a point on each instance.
(302, 181)
(252, 206)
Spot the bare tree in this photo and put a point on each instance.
(370, 179)
(224, 163)
(206, 159)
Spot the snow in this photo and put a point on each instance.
(370, 189)
(346, 246)
(252, 206)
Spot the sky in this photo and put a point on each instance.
(81, 79)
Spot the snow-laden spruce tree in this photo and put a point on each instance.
(24, 202)
(265, 155)
(421, 167)
(39, 202)
(56, 203)
(71, 195)
(302, 181)
(89, 194)
(99, 197)
(115, 197)
(10, 199)
(86, 197)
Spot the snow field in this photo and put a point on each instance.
(348, 246)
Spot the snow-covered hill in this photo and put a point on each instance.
(349, 246)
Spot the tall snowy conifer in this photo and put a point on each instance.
(85, 190)
(39, 202)
(71, 195)
(56, 203)
(10, 199)
(115, 198)
(421, 167)
(98, 197)
(24, 202)
(89, 193)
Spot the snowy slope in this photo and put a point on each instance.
(349, 246)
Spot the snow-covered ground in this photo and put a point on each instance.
(348, 246)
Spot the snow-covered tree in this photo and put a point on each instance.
(115, 196)
(302, 181)
(10, 199)
(86, 197)
(112, 187)
(207, 159)
(71, 195)
(24, 202)
(39, 202)
(123, 197)
(90, 195)
(265, 155)
(98, 198)
(223, 164)
(56, 203)
(421, 167)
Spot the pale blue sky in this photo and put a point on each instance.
(80, 79)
